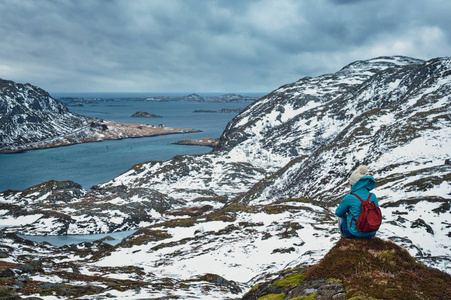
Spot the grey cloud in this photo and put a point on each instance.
(220, 45)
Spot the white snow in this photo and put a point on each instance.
(21, 220)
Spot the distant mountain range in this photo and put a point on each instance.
(261, 204)
(234, 98)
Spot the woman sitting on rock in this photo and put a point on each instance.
(350, 208)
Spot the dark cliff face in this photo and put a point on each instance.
(30, 114)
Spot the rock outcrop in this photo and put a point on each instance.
(364, 269)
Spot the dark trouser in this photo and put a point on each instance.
(346, 233)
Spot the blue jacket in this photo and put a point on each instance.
(351, 204)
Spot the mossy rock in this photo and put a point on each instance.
(293, 279)
(273, 297)
(282, 285)
(382, 270)
(360, 269)
(228, 213)
(309, 297)
(181, 222)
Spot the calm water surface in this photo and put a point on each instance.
(93, 163)
(61, 240)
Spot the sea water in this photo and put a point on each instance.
(61, 240)
(93, 163)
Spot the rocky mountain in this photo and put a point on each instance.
(31, 119)
(29, 114)
(215, 225)
(388, 113)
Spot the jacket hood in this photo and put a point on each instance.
(367, 182)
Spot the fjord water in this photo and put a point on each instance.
(61, 240)
(93, 163)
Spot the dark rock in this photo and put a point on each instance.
(418, 223)
(53, 186)
(47, 285)
(7, 273)
(31, 267)
(283, 250)
(9, 296)
(190, 211)
(143, 114)
(107, 238)
(219, 280)
(325, 289)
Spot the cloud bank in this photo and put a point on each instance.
(207, 46)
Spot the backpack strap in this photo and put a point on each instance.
(353, 218)
(361, 198)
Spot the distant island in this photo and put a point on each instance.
(143, 114)
(208, 141)
(223, 98)
(232, 98)
(224, 110)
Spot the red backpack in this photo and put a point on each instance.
(370, 218)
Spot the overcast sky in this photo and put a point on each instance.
(207, 45)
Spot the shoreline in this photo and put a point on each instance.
(115, 131)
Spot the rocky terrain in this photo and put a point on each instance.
(215, 225)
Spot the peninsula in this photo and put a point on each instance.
(97, 131)
(31, 119)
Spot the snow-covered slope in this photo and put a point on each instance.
(264, 199)
(29, 114)
(396, 121)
